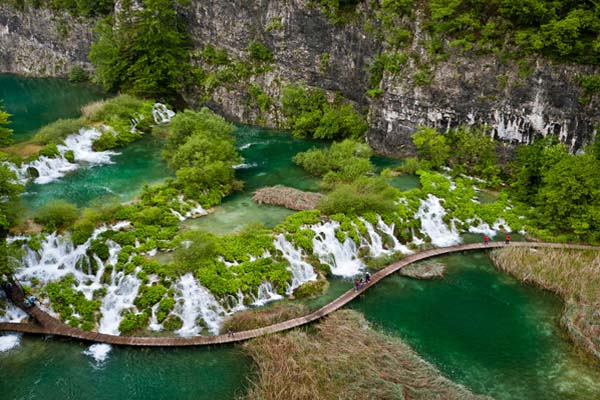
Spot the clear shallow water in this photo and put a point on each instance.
(485, 330)
(34, 103)
(55, 369)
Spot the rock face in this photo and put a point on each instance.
(38, 42)
(481, 90)
(517, 101)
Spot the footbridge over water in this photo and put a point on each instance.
(47, 325)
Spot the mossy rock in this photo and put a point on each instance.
(172, 323)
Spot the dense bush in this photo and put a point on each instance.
(309, 114)
(57, 214)
(5, 132)
(259, 52)
(359, 197)
(200, 148)
(342, 162)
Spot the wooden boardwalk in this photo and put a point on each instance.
(49, 325)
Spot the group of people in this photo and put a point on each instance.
(362, 282)
(486, 239)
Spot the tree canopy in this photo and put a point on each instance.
(144, 51)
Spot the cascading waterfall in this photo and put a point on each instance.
(195, 302)
(431, 213)
(389, 231)
(120, 296)
(301, 270)
(161, 113)
(265, 294)
(342, 258)
(49, 169)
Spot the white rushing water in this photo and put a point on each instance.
(195, 302)
(301, 270)
(99, 352)
(265, 294)
(342, 258)
(431, 214)
(161, 113)
(50, 169)
(8, 342)
(120, 296)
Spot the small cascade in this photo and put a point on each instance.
(154, 324)
(161, 113)
(389, 231)
(46, 169)
(375, 244)
(342, 258)
(195, 302)
(431, 214)
(120, 296)
(301, 270)
(10, 312)
(482, 228)
(266, 293)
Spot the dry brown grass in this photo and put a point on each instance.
(89, 109)
(574, 274)
(259, 317)
(344, 359)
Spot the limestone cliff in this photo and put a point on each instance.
(38, 42)
(516, 103)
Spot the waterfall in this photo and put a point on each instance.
(342, 258)
(119, 296)
(11, 313)
(154, 325)
(389, 231)
(161, 113)
(9, 341)
(266, 293)
(431, 213)
(376, 248)
(194, 301)
(49, 169)
(301, 270)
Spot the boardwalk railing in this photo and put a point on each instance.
(47, 324)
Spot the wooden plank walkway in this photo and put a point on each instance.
(49, 325)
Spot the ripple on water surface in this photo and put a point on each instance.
(485, 330)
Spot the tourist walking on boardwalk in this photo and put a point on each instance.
(357, 285)
(507, 238)
(486, 239)
(367, 277)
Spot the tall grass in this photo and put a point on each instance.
(344, 359)
(56, 132)
(574, 274)
(257, 318)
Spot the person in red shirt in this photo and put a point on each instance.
(486, 239)
(507, 239)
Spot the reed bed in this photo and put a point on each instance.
(258, 317)
(573, 274)
(341, 357)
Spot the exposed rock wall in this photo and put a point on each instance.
(38, 42)
(517, 107)
(307, 47)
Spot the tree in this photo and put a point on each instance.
(569, 198)
(144, 52)
(5, 133)
(432, 146)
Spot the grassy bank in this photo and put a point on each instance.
(573, 274)
(343, 358)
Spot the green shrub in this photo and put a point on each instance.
(50, 151)
(310, 289)
(78, 74)
(164, 308)
(99, 248)
(57, 214)
(172, 323)
(359, 197)
(133, 322)
(149, 296)
(82, 230)
(56, 132)
(259, 52)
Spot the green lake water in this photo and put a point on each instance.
(56, 369)
(485, 330)
(34, 103)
